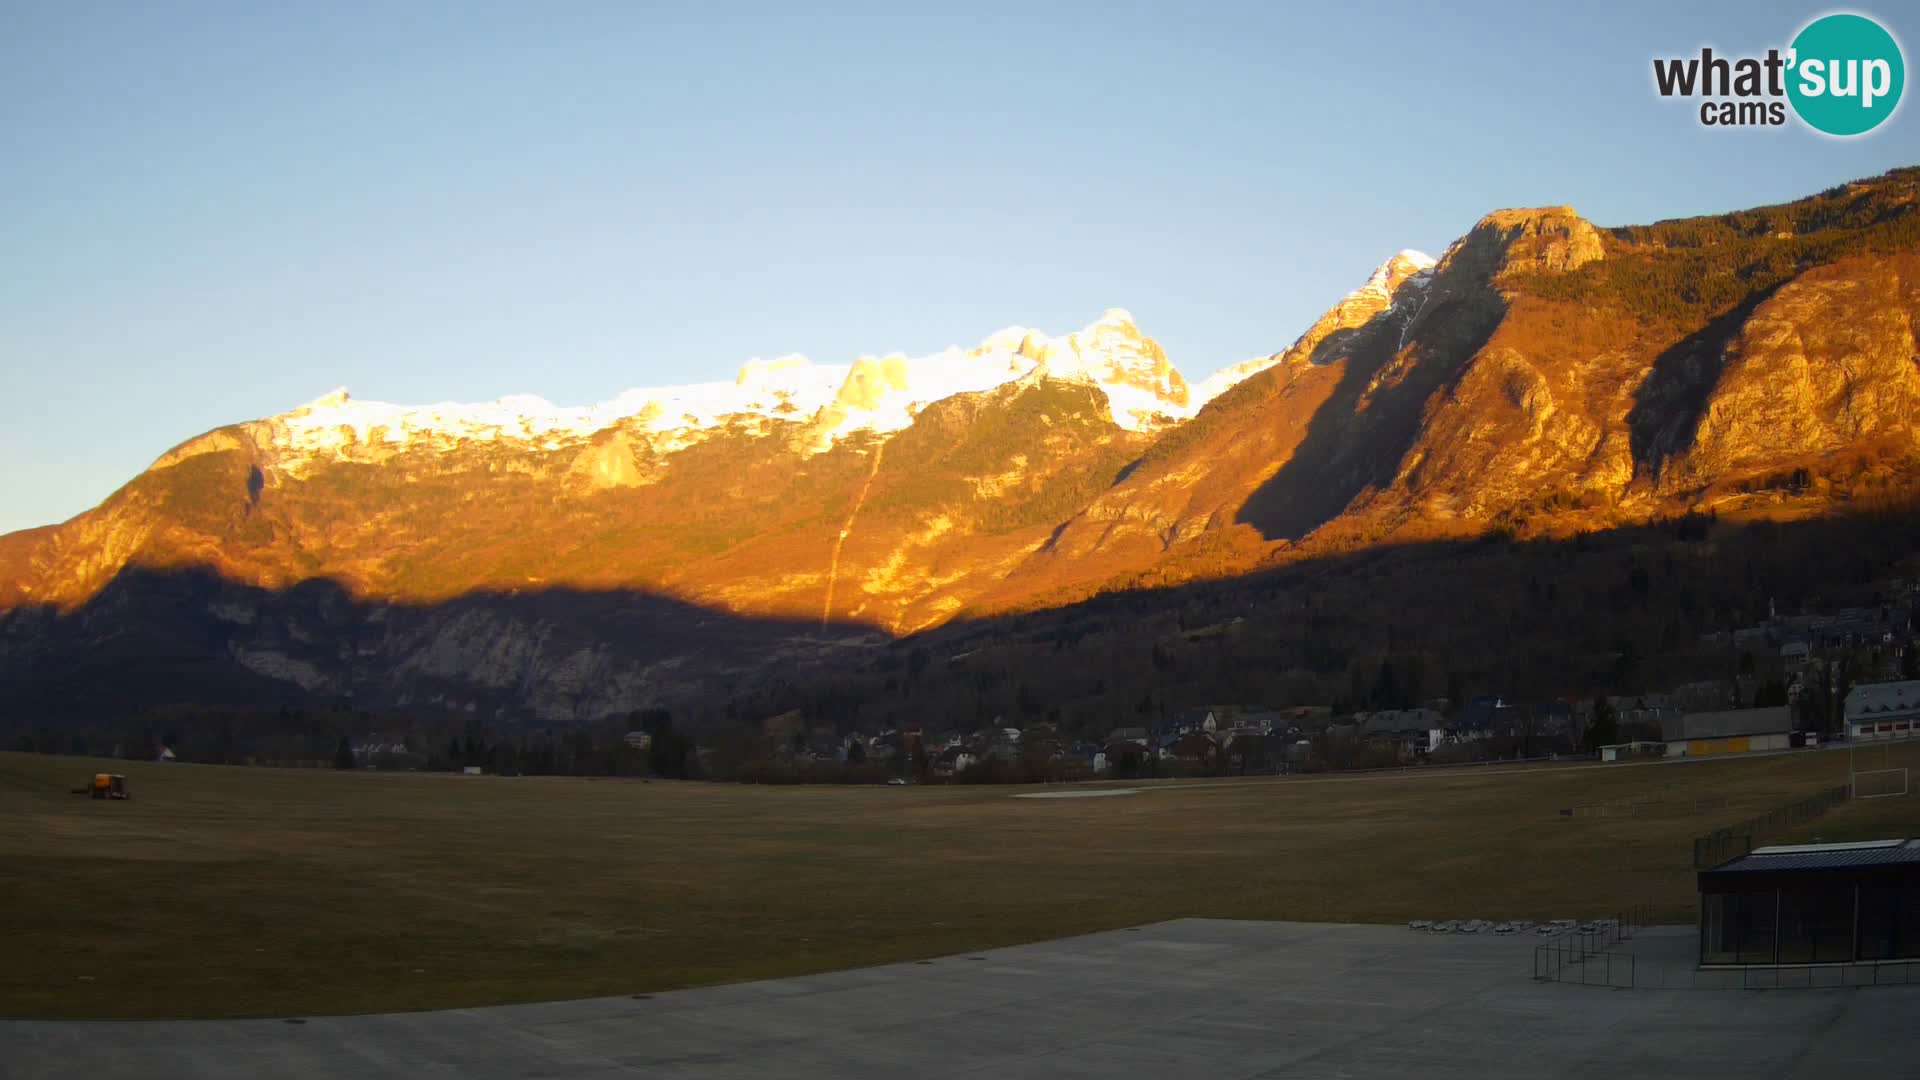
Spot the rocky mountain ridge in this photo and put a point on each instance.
(1543, 377)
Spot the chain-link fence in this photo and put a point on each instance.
(1730, 842)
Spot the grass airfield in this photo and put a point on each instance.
(228, 892)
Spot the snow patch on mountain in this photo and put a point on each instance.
(872, 394)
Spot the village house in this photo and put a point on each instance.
(1247, 726)
(1192, 748)
(1408, 732)
(1888, 710)
(1119, 751)
(1642, 717)
(953, 759)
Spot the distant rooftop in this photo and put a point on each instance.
(1872, 699)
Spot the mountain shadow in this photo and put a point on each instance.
(1357, 439)
(1669, 402)
(158, 637)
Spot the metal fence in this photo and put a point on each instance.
(1586, 954)
(1607, 967)
(1736, 840)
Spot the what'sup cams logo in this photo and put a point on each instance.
(1842, 75)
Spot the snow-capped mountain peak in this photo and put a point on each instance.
(872, 394)
(1408, 266)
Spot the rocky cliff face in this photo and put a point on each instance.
(1542, 376)
(1826, 363)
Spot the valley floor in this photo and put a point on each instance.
(234, 892)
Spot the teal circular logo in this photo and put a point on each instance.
(1846, 74)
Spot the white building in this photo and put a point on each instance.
(1888, 710)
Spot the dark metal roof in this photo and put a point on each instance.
(1823, 857)
(1727, 724)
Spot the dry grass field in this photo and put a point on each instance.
(236, 892)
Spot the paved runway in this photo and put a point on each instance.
(1197, 998)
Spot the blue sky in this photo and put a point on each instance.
(213, 212)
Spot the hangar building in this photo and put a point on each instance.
(1812, 904)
